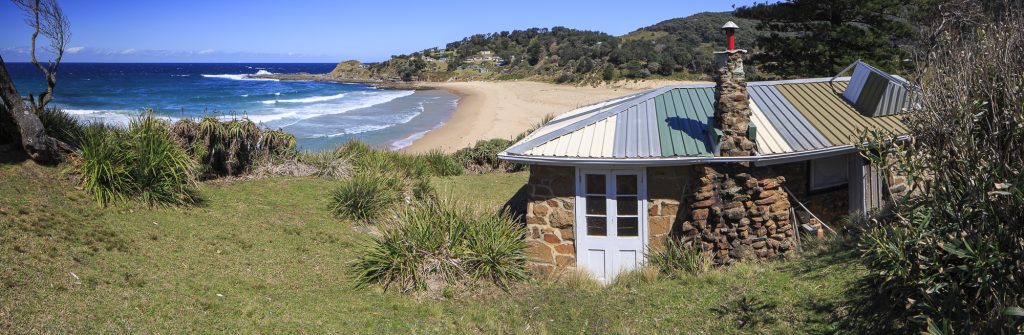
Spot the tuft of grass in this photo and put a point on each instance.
(440, 243)
(366, 196)
(676, 258)
(141, 162)
(61, 125)
(442, 164)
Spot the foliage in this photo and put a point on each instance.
(675, 259)
(141, 162)
(484, 155)
(566, 55)
(951, 256)
(446, 242)
(442, 164)
(61, 125)
(232, 147)
(366, 196)
(819, 37)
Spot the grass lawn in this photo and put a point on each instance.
(264, 256)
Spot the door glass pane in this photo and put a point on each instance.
(625, 184)
(597, 226)
(595, 184)
(596, 205)
(627, 205)
(628, 226)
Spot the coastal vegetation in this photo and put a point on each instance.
(439, 244)
(950, 256)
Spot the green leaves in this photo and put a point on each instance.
(440, 243)
(141, 162)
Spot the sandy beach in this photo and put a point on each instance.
(506, 108)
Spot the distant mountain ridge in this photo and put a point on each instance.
(676, 48)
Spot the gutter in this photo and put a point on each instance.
(691, 160)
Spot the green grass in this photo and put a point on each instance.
(265, 256)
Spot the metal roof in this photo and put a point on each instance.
(792, 118)
(833, 116)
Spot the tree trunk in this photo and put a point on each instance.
(37, 144)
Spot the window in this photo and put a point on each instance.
(829, 172)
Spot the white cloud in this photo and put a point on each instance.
(128, 51)
(207, 51)
(74, 50)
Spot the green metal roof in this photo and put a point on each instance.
(684, 115)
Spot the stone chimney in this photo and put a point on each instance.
(732, 107)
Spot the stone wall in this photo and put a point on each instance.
(551, 196)
(738, 214)
(731, 211)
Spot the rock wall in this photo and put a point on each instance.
(732, 107)
(731, 211)
(551, 194)
(738, 214)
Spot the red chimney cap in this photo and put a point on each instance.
(730, 25)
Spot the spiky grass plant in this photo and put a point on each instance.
(161, 170)
(141, 162)
(105, 171)
(439, 243)
(61, 125)
(676, 258)
(367, 196)
(442, 164)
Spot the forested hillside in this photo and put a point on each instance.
(679, 47)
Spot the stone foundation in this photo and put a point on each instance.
(735, 215)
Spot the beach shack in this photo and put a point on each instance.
(734, 168)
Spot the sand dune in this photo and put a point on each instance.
(506, 108)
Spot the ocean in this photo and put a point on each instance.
(320, 114)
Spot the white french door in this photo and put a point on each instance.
(611, 221)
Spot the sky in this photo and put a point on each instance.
(316, 30)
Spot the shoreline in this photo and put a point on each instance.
(490, 109)
(504, 109)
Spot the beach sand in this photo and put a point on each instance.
(504, 109)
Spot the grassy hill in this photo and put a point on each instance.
(676, 48)
(265, 256)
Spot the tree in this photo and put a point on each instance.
(821, 37)
(47, 19)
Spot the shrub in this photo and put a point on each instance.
(105, 168)
(483, 155)
(366, 196)
(232, 147)
(676, 258)
(951, 256)
(141, 162)
(61, 125)
(442, 242)
(442, 164)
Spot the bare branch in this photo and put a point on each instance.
(46, 18)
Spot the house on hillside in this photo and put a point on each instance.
(733, 168)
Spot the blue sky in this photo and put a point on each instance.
(315, 30)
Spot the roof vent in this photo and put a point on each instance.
(875, 93)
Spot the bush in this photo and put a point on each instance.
(676, 258)
(442, 242)
(952, 256)
(233, 147)
(442, 164)
(61, 125)
(366, 196)
(142, 162)
(484, 155)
